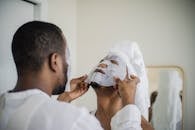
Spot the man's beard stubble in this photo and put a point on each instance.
(61, 88)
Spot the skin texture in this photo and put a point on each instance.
(47, 79)
(108, 103)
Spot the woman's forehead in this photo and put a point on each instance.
(108, 57)
(116, 58)
(113, 57)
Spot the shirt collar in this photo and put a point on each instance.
(25, 93)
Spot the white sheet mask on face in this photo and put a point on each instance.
(68, 61)
(115, 67)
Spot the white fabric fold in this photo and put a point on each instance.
(35, 110)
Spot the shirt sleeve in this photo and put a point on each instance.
(128, 118)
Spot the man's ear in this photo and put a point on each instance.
(54, 61)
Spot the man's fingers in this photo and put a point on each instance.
(127, 74)
(117, 80)
(82, 78)
(83, 84)
(135, 78)
(132, 76)
(82, 87)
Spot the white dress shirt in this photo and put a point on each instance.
(35, 110)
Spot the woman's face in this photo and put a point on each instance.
(108, 68)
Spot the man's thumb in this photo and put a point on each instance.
(82, 78)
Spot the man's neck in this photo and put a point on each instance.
(33, 81)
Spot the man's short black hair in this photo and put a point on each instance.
(34, 42)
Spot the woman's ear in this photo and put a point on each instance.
(54, 62)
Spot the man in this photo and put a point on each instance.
(116, 64)
(40, 53)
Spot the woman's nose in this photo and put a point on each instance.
(102, 65)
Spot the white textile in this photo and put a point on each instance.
(167, 110)
(35, 110)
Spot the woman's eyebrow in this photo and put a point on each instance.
(101, 60)
(114, 62)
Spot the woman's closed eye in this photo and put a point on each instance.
(101, 60)
(114, 62)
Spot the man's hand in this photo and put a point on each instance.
(78, 88)
(127, 88)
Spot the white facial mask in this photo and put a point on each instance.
(111, 70)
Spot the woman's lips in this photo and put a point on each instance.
(100, 71)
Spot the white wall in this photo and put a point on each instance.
(164, 29)
(63, 14)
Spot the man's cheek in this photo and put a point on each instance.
(65, 71)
